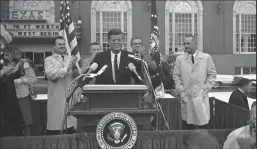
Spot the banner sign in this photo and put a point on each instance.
(25, 30)
(27, 15)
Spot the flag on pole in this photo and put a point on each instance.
(67, 31)
(154, 79)
(154, 50)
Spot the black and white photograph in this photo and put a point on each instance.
(128, 74)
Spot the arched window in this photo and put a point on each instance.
(32, 10)
(244, 27)
(110, 14)
(182, 18)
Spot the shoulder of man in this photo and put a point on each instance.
(126, 52)
(181, 56)
(102, 53)
(236, 132)
(26, 63)
(49, 58)
(204, 54)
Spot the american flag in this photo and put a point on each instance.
(154, 50)
(67, 31)
(154, 79)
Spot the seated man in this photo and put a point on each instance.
(239, 97)
(243, 137)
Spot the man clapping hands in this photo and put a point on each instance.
(60, 69)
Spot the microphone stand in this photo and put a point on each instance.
(79, 85)
(154, 94)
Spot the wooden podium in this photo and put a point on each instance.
(103, 99)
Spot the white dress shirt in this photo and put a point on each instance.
(118, 61)
(194, 54)
(241, 90)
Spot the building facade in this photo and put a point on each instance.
(224, 29)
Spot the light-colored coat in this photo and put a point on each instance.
(193, 82)
(240, 139)
(22, 89)
(58, 82)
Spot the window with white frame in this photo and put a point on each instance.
(38, 60)
(244, 22)
(183, 18)
(106, 15)
(245, 70)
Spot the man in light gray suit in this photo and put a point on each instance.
(194, 75)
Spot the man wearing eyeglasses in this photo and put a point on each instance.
(194, 75)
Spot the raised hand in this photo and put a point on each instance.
(142, 50)
(72, 62)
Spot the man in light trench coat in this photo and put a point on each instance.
(59, 69)
(194, 76)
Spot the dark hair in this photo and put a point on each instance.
(114, 31)
(202, 139)
(243, 82)
(95, 43)
(15, 52)
(133, 38)
(58, 37)
(194, 37)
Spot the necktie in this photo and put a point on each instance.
(62, 57)
(116, 69)
(192, 58)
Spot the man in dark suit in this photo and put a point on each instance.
(138, 51)
(116, 59)
(239, 97)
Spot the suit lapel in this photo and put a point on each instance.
(109, 63)
(198, 58)
(244, 99)
(188, 59)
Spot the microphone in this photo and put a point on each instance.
(102, 70)
(134, 57)
(93, 67)
(132, 68)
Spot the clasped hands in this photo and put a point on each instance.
(7, 70)
(72, 63)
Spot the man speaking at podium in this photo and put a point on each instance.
(119, 66)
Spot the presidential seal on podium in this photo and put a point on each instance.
(116, 130)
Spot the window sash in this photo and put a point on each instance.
(245, 33)
(244, 70)
(104, 22)
(185, 24)
(39, 67)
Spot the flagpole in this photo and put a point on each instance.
(154, 94)
(155, 55)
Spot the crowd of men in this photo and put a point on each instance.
(191, 75)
